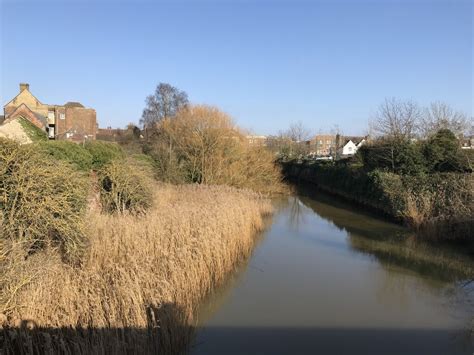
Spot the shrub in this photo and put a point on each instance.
(441, 205)
(443, 154)
(396, 156)
(42, 200)
(103, 152)
(125, 185)
(70, 152)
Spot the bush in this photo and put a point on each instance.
(42, 200)
(103, 152)
(400, 157)
(125, 185)
(70, 152)
(443, 153)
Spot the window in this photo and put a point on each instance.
(51, 115)
(349, 149)
(320, 141)
(328, 141)
(62, 116)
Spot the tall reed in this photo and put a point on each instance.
(140, 283)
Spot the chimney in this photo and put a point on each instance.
(24, 86)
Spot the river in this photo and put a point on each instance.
(327, 279)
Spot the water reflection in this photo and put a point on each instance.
(325, 276)
(390, 243)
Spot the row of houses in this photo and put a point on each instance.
(321, 145)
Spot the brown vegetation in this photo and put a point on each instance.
(137, 288)
(42, 200)
(201, 144)
(444, 212)
(125, 185)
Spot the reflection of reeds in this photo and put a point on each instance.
(440, 263)
(142, 279)
(393, 244)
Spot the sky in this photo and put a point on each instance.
(266, 63)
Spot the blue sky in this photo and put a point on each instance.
(267, 63)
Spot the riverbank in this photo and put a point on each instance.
(435, 206)
(142, 278)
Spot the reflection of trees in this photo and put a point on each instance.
(296, 215)
(389, 243)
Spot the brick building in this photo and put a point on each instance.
(71, 121)
(323, 144)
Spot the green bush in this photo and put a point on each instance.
(125, 185)
(70, 152)
(443, 153)
(42, 201)
(440, 153)
(103, 153)
(400, 157)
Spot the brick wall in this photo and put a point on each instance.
(78, 123)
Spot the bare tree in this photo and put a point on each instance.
(164, 103)
(396, 119)
(297, 132)
(295, 139)
(442, 116)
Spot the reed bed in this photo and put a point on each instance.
(141, 281)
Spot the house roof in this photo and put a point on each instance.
(20, 94)
(355, 139)
(20, 111)
(73, 104)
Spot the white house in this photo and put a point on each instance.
(350, 147)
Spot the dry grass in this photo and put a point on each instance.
(444, 213)
(141, 281)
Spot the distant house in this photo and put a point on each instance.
(323, 145)
(349, 145)
(71, 121)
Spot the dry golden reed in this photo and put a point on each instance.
(140, 284)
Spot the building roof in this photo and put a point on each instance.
(73, 104)
(354, 139)
(25, 112)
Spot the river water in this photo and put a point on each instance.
(328, 279)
